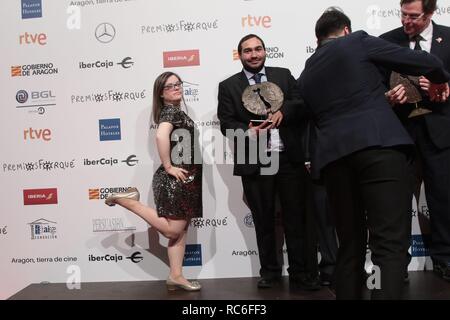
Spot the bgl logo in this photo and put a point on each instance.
(39, 100)
(22, 96)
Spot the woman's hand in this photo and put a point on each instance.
(177, 173)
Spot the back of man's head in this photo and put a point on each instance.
(330, 23)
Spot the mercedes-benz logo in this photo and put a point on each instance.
(105, 32)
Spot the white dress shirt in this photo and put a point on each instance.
(427, 35)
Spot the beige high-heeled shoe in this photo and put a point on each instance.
(131, 193)
(192, 286)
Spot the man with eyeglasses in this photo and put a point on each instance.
(431, 131)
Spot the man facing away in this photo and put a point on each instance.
(362, 149)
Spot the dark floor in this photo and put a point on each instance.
(422, 285)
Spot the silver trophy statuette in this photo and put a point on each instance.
(263, 98)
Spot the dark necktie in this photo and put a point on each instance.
(417, 40)
(257, 77)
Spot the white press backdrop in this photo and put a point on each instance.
(50, 129)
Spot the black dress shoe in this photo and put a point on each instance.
(406, 277)
(265, 283)
(305, 282)
(326, 279)
(442, 270)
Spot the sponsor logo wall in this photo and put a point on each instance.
(75, 126)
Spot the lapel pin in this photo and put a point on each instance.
(439, 40)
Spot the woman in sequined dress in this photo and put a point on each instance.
(177, 183)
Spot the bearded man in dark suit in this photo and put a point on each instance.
(288, 179)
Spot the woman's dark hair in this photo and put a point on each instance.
(158, 88)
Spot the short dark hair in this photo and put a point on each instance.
(429, 6)
(249, 36)
(330, 22)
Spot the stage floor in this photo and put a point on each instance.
(422, 285)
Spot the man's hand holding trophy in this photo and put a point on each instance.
(411, 89)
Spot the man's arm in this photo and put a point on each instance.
(405, 60)
(294, 108)
(226, 111)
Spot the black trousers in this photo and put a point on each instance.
(261, 191)
(369, 191)
(434, 168)
(326, 229)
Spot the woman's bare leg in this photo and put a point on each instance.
(171, 229)
(175, 230)
(175, 251)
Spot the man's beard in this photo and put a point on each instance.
(253, 70)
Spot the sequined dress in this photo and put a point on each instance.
(173, 199)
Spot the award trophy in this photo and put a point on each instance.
(413, 95)
(262, 99)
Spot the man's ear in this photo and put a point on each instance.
(346, 30)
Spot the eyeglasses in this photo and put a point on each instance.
(172, 86)
(412, 17)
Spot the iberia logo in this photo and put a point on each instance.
(183, 58)
(40, 196)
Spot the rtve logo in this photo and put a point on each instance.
(33, 134)
(29, 38)
(261, 21)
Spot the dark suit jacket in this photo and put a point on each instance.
(233, 115)
(343, 87)
(437, 122)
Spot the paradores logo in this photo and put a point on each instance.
(31, 9)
